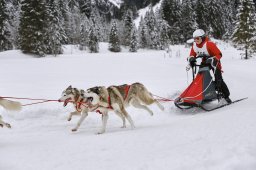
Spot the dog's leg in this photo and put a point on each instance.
(123, 112)
(73, 114)
(83, 116)
(104, 122)
(159, 105)
(2, 123)
(138, 105)
(122, 117)
(128, 117)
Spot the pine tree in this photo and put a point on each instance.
(229, 16)
(14, 15)
(188, 22)
(143, 34)
(55, 33)
(201, 15)
(153, 32)
(171, 12)
(134, 40)
(128, 24)
(245, 28)
(93, 42)
(114, 42)
(5, 34)
(32, 29)
(215, 18)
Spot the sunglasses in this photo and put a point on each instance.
(197, 38)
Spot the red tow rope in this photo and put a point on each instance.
(162, 99)
(23, 98)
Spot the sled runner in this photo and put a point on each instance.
(202, 90)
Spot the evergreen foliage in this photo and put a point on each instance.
(134, 40)
(127, 29)
(42, 26)
(55, 32)
(114, 41)
(5, 33)
(93, 42)
(32, 27)
(245, 28)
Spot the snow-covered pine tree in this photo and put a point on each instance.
(73, 22)
(55, 32)
(5, 33)
(114, 41)
(245, 27)
(201, 15)
(134, 40)
(32, 28)
(86, 7)
(143, 34)
(14, 8)
(93, 42)
(215, 18)
(171, 11)
(153, 32)
(188, 22)
(229, 15)
(84, 32)
(128, 24)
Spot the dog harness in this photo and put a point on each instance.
(126, 89)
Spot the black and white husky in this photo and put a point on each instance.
(114, 98)
(8, 105)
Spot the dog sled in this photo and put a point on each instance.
(202, 90)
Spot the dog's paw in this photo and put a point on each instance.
(123, 126)
(100, 132)
(8, 125)
(69, 118)
(74, 130)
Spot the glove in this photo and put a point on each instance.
(212, 61)
(192, 61)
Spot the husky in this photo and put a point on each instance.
(114, 98)
(8, 105)
(135, 94)
(84, 103)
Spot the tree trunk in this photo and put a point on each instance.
(246, 53)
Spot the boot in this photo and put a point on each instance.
(228, 100)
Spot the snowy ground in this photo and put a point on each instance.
(41, 138)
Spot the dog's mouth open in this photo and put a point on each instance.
(66, 101)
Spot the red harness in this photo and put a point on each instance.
(79, 104)
(126, 89)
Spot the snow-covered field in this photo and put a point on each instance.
(41, 137)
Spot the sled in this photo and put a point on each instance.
(202, 90)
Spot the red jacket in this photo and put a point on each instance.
(212, 49)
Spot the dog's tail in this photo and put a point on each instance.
(10, 105)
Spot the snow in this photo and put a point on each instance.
(41, 137)
(117, 3)
(142, 12)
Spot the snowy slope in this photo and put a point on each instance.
(117, 3)
(41, 138)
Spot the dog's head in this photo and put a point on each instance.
(69, 94)
(94, 94)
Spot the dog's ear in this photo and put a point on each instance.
(82, 92)
(70, 87)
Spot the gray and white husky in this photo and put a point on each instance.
(114, 98)
(8, 105)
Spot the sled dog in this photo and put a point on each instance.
(8, 105)
(102, 100)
